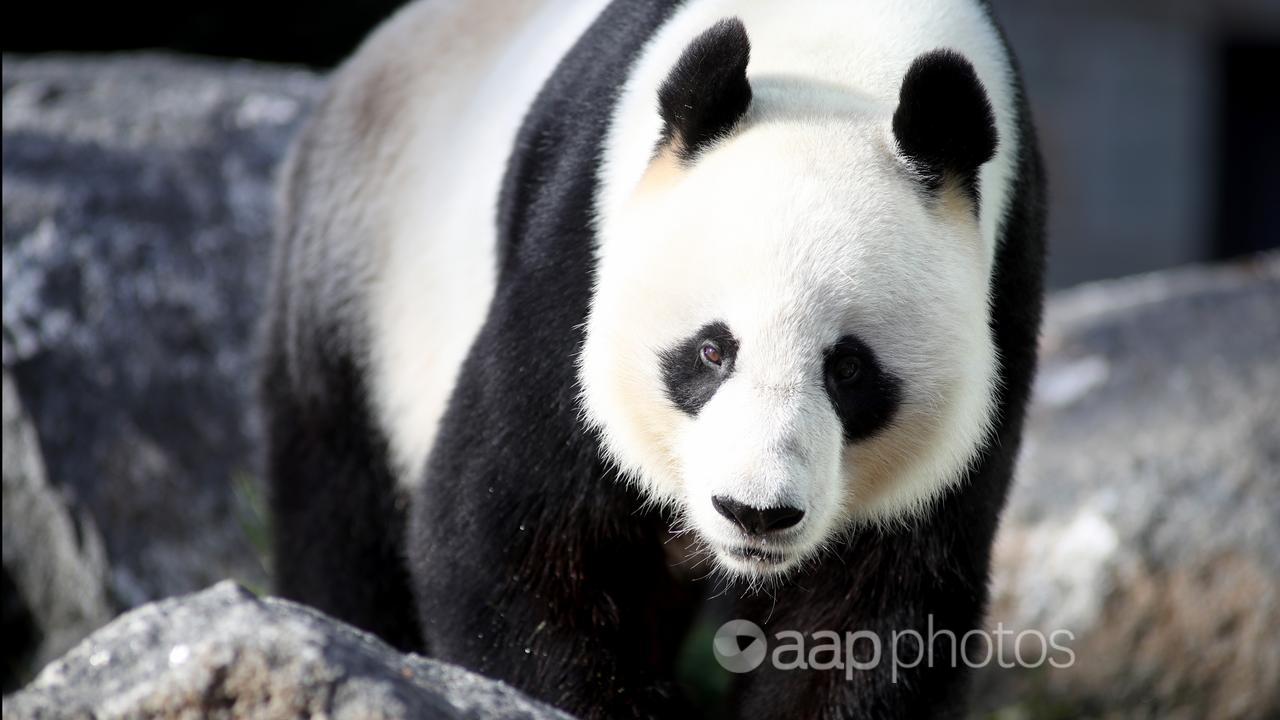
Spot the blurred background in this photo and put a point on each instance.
(141, 140)
(1158, 117)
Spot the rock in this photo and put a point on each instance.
(224, 653)
(1144, 518)
(137, 208)
(55, 572)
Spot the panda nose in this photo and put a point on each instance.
(757, 521)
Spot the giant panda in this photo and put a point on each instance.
(581, 311)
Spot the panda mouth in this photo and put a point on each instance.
(757, 555)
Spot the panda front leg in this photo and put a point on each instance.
(572, 607)
(531, 563)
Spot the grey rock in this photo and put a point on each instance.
(1144, 518)
(55, 570)
(224, 653)
(137, 207)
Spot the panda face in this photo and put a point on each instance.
(788, 338)
(789, 331)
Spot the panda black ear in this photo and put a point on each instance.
(707, 91)
(944, 124)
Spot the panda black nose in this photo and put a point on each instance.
(757, 521)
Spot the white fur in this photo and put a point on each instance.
(803, 227)
(436, 266)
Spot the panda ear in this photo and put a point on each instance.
(944, 124)
(707, 91)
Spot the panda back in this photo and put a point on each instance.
(386, 250)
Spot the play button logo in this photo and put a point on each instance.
(739, 646)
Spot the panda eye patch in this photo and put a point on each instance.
(697, 366)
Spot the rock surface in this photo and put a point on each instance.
(1145, 515)
(137, 205)
(55, 570)
(223, 653)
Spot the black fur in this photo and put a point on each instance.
(707, 91)
(944, 123)
(867, 402)
(691, 382)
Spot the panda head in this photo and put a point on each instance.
(788, 334)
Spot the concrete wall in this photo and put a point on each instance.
(1125, 95)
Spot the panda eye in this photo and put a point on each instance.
(864, 394)
(846, 369)
(710, 354)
